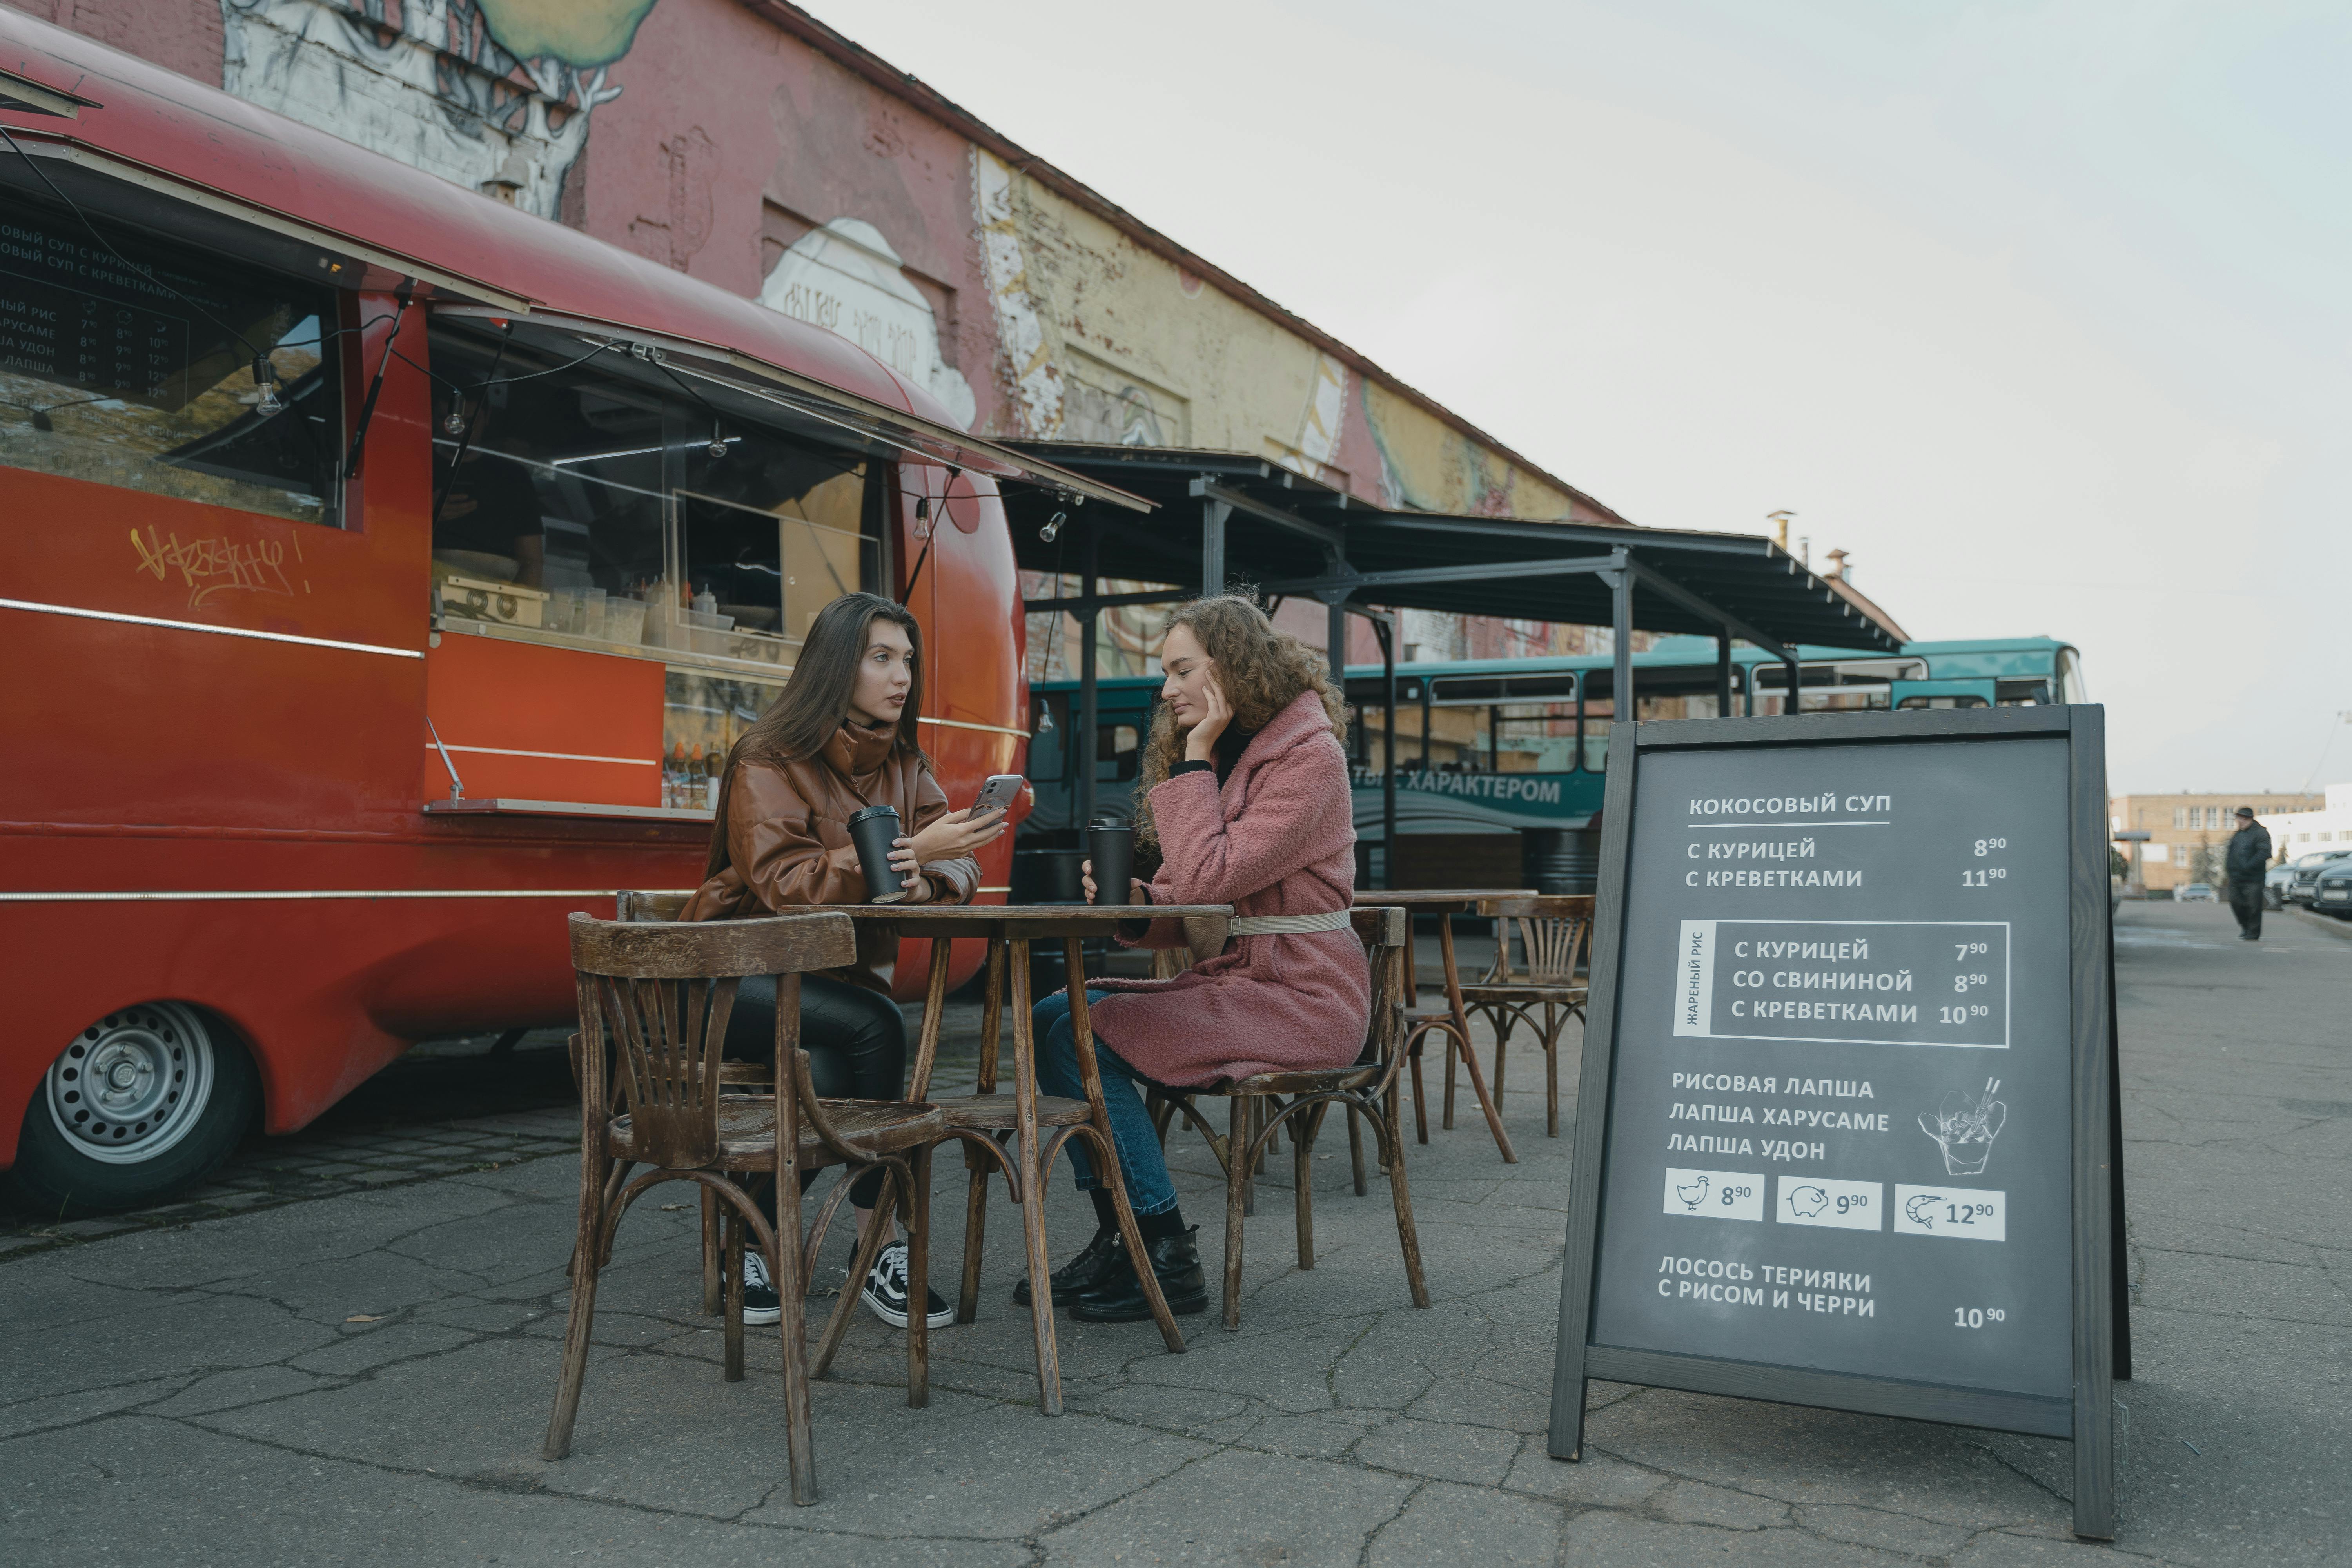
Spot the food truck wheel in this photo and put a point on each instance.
(144, 1102)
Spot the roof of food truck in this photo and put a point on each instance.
(164, 122)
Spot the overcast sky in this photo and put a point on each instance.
(2042, 310)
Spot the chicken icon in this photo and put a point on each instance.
(1807, 1201)
(1922, 1209)
(1692, 1194)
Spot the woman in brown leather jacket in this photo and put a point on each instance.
(841, 738)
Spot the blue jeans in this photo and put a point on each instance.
(1131, 1132)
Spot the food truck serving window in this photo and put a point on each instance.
(131, 362)
(621, 512)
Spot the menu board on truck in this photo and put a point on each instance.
(1847, 1132)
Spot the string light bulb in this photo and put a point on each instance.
(265, 377)
(718, 442)
(1053, 527)
(455, 423)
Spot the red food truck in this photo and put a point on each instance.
(384, 572)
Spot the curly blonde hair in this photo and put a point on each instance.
(1262, 671)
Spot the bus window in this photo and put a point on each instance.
(2022, 693)
(146, 382)
(572, 505)
(1596, 751)
(1117, 756)
(1963, 699)
(2070, 686)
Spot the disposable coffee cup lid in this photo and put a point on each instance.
(873, 810)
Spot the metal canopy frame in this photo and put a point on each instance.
(1313, 540)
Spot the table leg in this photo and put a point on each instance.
(1469, 1056)
(1032, 1209)
(975, 1218)
(935, 997)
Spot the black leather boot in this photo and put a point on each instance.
(1105, 1253)
(1120, 1297)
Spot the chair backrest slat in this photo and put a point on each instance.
(1382, 929)
(1553, 932)
(660, 996)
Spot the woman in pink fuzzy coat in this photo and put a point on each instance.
(1246, 798)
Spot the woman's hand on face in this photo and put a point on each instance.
(1200, 744)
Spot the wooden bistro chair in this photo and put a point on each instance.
(1553, 933)
(1259, 1107)
(654, 1004)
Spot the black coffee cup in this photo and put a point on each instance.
(874, 832)
(1111, 847)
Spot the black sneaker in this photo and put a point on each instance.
(761, 1305)
(885, 1291)
(1081, 1274)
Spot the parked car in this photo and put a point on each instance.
(2275, 885)
(2195, 893)
(2331, 890)
(2306, 870)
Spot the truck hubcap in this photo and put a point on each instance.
(133, 1084)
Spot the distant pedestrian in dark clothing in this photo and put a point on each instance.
(2249, 857)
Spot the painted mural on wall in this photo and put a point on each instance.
(1026, 365)
(496, 95)
(845, 278)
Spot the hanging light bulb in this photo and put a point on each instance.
(1054, 527)
(1045, 720)
(265, 377)
(718, 442)
(455, 423)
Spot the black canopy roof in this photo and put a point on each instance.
(1295, 536)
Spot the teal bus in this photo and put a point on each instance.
(1499, 763)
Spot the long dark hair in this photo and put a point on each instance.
(815, 701)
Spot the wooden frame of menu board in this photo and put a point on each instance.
(1821, 836)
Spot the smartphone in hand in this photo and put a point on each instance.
(997, 795)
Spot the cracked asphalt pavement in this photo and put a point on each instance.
(363, 1376)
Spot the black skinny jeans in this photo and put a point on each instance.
(856, 1043)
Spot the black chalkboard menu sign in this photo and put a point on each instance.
(1847, 1133)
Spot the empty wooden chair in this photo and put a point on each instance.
(1259, 1107)
(1553, 934)
(654, 1004)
